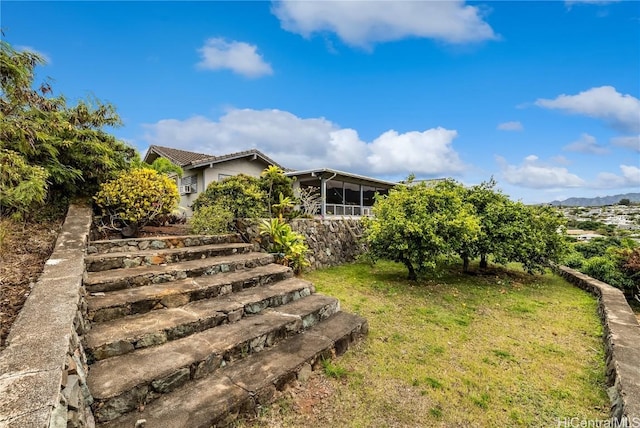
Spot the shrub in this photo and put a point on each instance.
(606, 270)
(211, 220)
(134, 198)
(240, 194)
(288, 245)
(574, 260)
(22, 186)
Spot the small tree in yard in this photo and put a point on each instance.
(276, 185)
(513, 232)
(418, 225)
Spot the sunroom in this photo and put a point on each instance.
(341, 193)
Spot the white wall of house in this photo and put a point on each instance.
(222, 170)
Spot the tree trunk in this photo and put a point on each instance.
(483, 261)
(412, 272)
(465, 263)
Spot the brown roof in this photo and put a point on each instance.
(179, 157)
(184, 158)
(253, 152)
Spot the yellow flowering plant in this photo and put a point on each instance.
(135, 198)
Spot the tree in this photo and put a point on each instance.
(418, 225)
(492, 210)
(625, 201)
(535, 237)
(68, 142)
(274, 183)
(164, 166)
(513, 232)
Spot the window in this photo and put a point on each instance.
(335, 193)
(351, 194)
(192, 181)
(223, 176)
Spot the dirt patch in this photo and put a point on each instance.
(24, 249)
(303, 404)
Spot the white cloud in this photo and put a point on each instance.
(429, 152)
(239, 57)
(630, 177)
(620, 111)
(510, 126)
(311, 143)
(23, 48)
(631, 142)
(586, 144)
(360, 23)
(534, 174)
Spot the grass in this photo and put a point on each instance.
(504, 349)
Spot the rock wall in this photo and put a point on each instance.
(331, 241)
(622, 346)
(43, 368)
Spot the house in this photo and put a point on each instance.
(341, 193)
(199, 169)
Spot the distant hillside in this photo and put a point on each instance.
(598, 201)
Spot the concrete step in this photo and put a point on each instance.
(118, 279)
(243, 385)
(123, 335)
(130, 301)
(158, 243)
(102, 262)
(119, 384)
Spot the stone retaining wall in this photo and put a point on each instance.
(331, 241)
(43, 368)
(622, 346)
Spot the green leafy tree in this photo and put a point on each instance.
(23, 187)
(165, 166)
(418, 225)
(274, 183)
(241, 194)
(68, 142)
(536, 237)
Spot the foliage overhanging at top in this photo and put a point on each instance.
(65, 145)
(421, 224)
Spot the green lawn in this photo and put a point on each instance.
(500, 349)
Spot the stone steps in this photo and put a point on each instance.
(116, 304)
(195, 329)
(123, 335)
(119, 383)
(118, 279)
(159, 243)
(102, 262)
(242, 385)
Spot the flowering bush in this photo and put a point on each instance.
(135, 198)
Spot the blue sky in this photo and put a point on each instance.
(541, 95)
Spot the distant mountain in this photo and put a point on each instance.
(598, 201)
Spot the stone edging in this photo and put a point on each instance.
(43, 368)
(622, 346)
